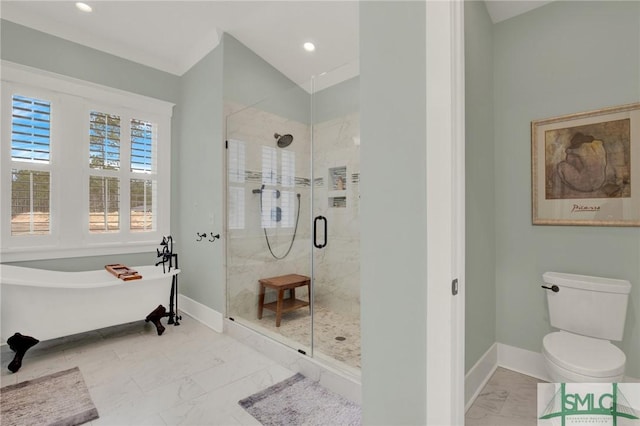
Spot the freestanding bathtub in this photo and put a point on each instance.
(48, 304)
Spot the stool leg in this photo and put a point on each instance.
(309, 296)
(279, 307)
(261, 302)
(292, 294)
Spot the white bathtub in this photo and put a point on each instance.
(48, 304)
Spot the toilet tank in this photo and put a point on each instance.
(591, 306)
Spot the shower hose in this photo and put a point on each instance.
(295, 230)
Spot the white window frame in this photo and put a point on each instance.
(71, 102)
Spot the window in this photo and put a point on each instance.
(104, 205)
(142, 205)
(104, 155)
(30, 172)
(106, 175)
(104, 141)
(30, 202)
(144, 183)
(142, 146)
(85, 168)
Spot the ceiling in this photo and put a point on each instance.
(174, 35)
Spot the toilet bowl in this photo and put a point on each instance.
(590, 312)
(571, 358)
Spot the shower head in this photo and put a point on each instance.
(283, 140)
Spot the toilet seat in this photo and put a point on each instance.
(583, 355)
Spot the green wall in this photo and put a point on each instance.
(249, 79)
(40, 50)
(198, 181)
(337, 101)
(480, 318)
(562, 58)
(393, 205)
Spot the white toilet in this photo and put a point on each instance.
(590, 312)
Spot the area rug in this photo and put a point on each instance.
(301, 401)
(58, 399)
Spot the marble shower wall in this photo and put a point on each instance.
(336, 154)
(336, 168)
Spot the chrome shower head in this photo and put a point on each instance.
(283, 140)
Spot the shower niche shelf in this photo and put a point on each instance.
(338, 178)
(337, 188)
(337, 202)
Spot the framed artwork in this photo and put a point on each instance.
(585, 168)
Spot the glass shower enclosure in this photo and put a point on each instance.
(293, 218)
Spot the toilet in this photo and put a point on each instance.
(590, 312)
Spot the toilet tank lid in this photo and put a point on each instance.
(605, 285)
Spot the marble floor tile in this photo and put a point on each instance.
(489, 401)
(190, 375)
(508, 399)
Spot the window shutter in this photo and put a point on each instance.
(104, 141)
(30, 130)
(142, 137)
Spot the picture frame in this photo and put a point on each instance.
(585, 168)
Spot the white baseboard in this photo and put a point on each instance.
(479, 375)
(209, 317)
(522, 361)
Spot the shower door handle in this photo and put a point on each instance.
(315, 232)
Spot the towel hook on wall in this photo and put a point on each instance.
(205, 235)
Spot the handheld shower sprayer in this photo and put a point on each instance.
(276, 215)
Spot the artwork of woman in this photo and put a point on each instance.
(589, 161)
(585, 164)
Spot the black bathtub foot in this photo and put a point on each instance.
(20, 345)
(155, 317)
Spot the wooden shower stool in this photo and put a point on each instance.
(282, 283)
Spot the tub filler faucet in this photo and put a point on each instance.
(167, 255)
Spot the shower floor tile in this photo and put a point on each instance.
(336, 336)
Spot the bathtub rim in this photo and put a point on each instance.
(36, 277)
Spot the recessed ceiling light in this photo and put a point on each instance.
(83, 7)
(309, 47)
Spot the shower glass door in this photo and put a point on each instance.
(268, 210)
(336, 212)
(293, 204)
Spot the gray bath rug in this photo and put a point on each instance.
(60, 399)
(301, 401)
